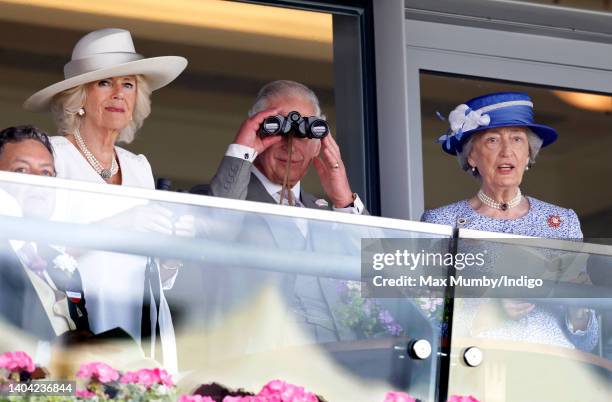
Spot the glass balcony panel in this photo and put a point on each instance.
(253, 292)
(543, 331)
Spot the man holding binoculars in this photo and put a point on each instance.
(273, 150)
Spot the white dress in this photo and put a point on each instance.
(113, 282)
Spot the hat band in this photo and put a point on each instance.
(500, 105)
(464, 119)
(98, 62)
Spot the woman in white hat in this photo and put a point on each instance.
(104, 99)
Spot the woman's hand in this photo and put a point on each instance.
(143, 218)
(185, 226)
(578, 317)
(516, 309)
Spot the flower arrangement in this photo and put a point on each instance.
(433, 309)
(100, 382)
(395, 396)
(195, 398)
(16, 366)
(273, 391)
(19, 367)
(365, 316)
(460, 398)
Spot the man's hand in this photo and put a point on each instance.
(332, 173)
(247, 133)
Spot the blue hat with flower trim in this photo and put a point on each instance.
(502, 109)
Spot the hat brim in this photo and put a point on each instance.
(158, 71)
(547, 134)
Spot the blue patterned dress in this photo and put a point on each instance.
(543, 324)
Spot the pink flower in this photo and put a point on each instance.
(195, 398)
(84, 394)
(287, 392)
(17, 362)
(131, 377)
(163, 377)
(249, 398)
(462, 398)
(99, 371)
(148, 377)
(395, 396)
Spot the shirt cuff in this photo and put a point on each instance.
(355, 209)
(241, 152)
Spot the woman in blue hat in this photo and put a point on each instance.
(495, 138)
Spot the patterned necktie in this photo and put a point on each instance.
(294, 202)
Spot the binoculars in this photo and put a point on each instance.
(301, 127)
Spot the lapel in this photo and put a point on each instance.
(314, 295)
(68, 283)
(257, 192)
(64, 280)
(284, 231)
(310, 201)
(19, 302)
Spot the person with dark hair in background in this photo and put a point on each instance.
(40, 288)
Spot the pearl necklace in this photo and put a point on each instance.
(503, 206)
(104, 173)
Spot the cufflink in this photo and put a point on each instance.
(352, 204)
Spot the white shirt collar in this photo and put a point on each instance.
(273, 188)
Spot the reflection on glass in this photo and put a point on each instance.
(524, 329)
(254, 296)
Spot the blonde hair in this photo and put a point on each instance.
(66, 104)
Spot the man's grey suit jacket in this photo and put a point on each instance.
(310, 299)
(235, 180)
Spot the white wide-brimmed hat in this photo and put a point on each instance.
(103, 54)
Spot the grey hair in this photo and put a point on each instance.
(284, 88)
(66, 104)
(535, 143)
